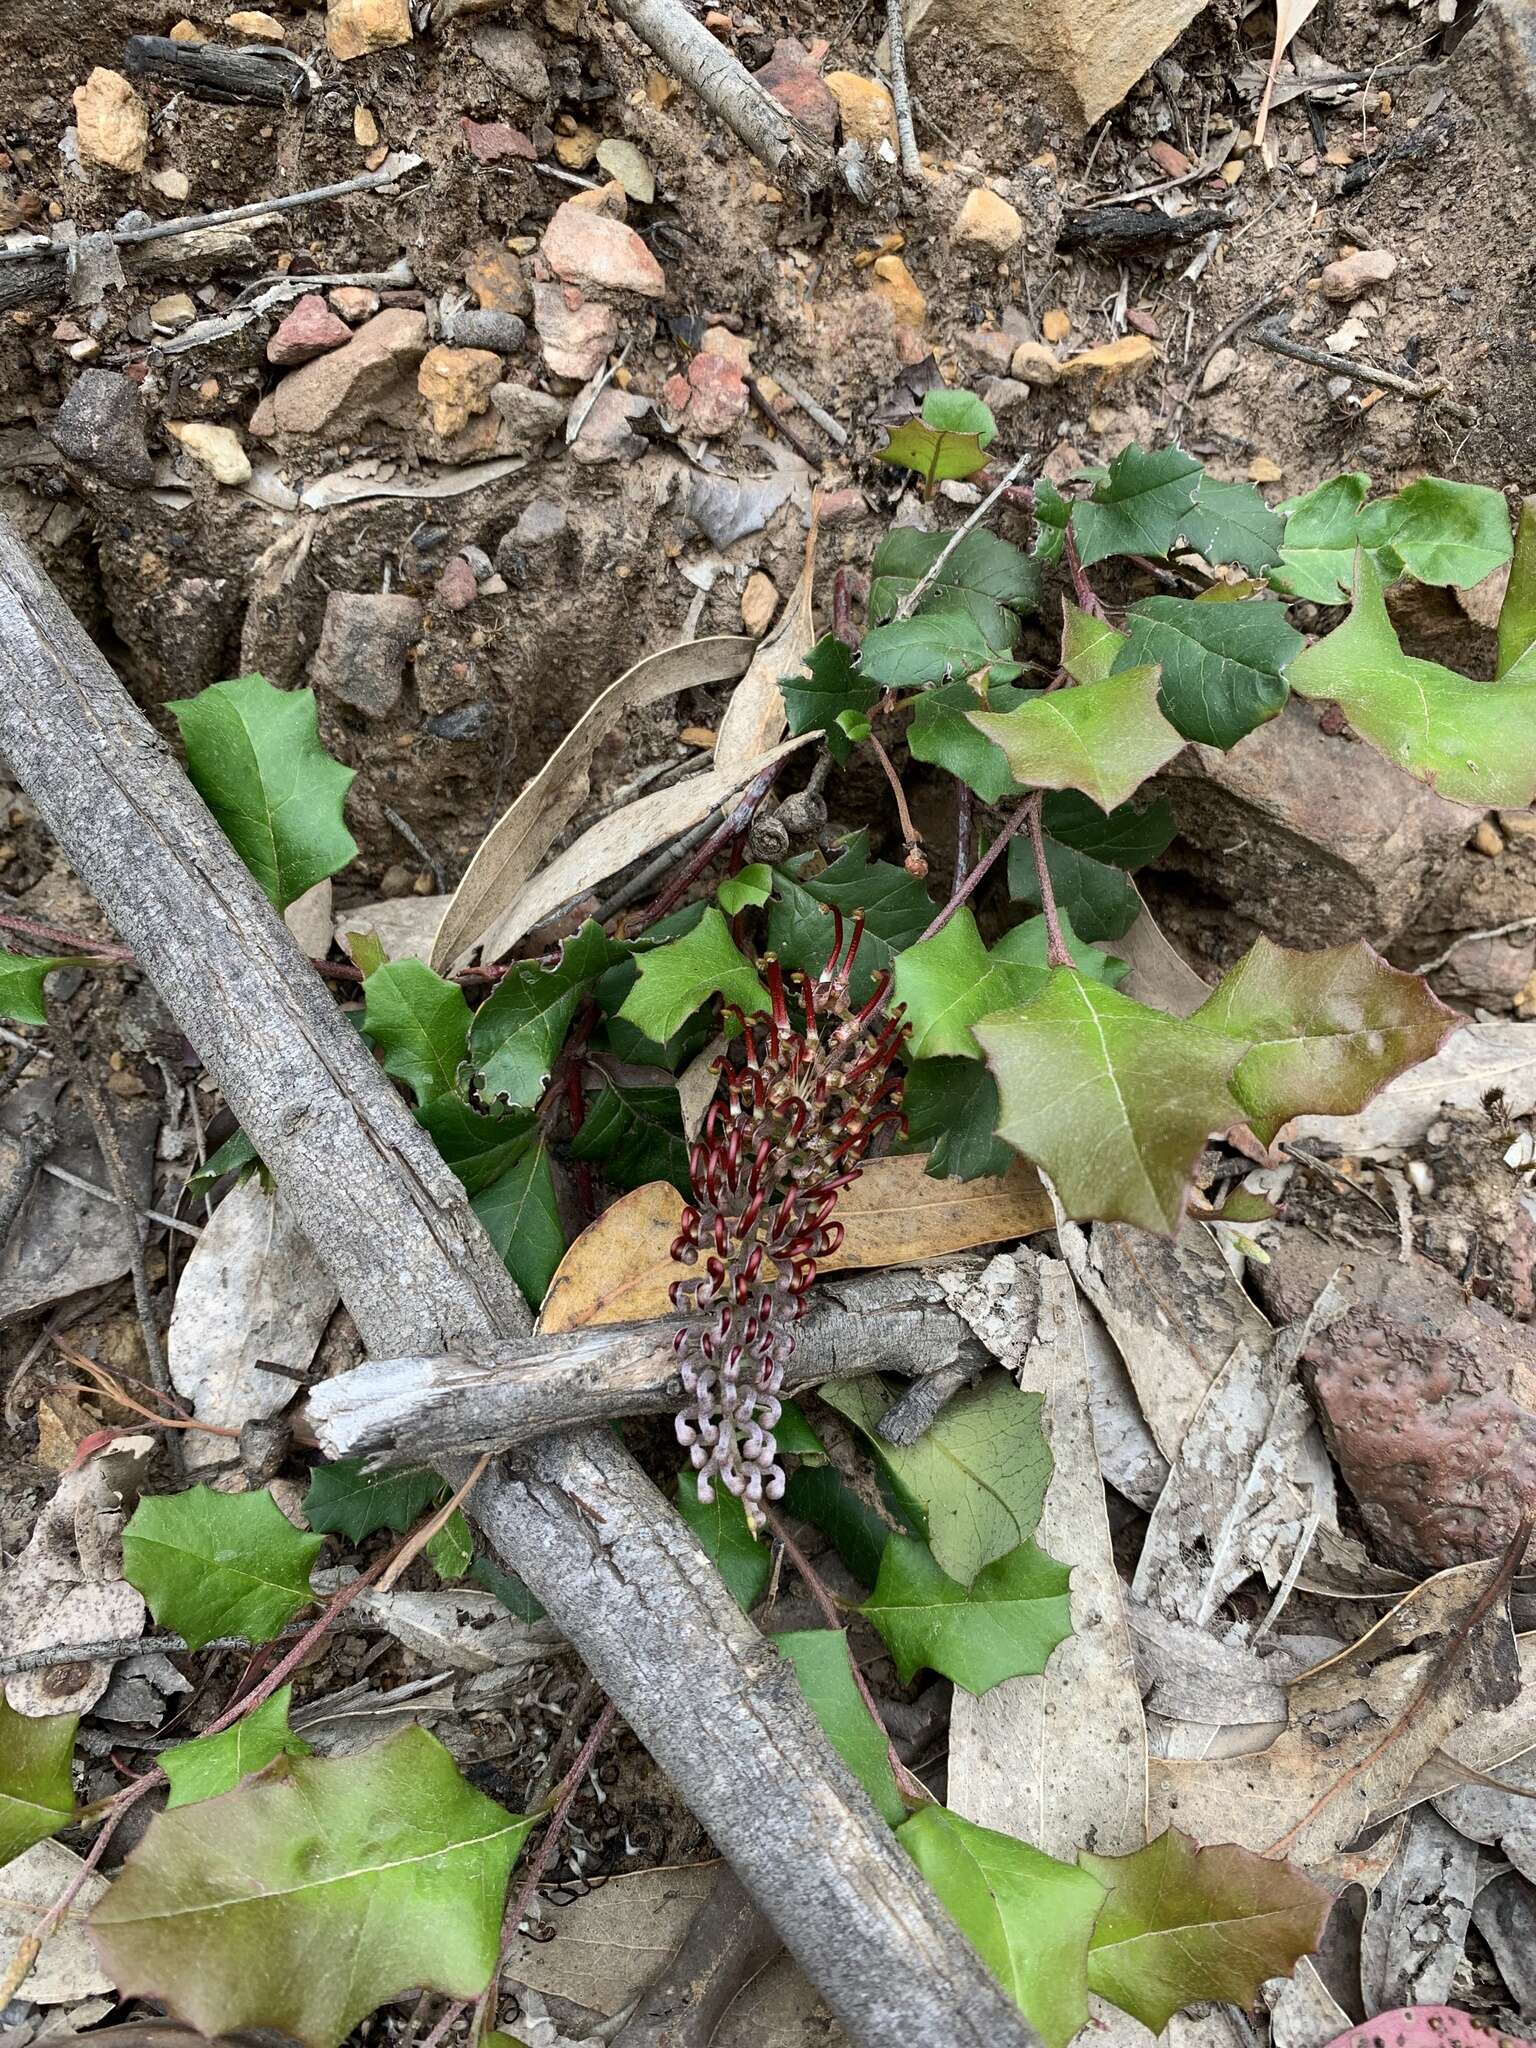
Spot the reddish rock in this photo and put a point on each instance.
(577, 333)
(1422, 1393)
(599, 253)
(310, 330)
(456, 587)
(354, 302)
(837, 507)
(711, 398)
(793, 77)
(374, 376)
(490, 142)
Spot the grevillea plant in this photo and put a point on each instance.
(796, 1115)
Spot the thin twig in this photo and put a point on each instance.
(920, 589)
(387, 174)
(834, 429)
(978, 874)
(414, 1545)
(1272, 335)
(912, 839)
(1087, 597)
(780, 425)
(730, 827)
(89, 1187)
(896, 24)
(1494, 931)
(108, 1649)
(965, 831)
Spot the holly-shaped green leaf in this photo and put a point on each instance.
(945, 983)
(1141, 507)
(948, 440)
(1004, 1625)
(1087, 852)
(1440, 532)
(1028, 944)
(1111, 1099)
(1223, 664)
(218, 1564)
(983, 575)
(344, 1500)
(1090, 647)
(21, 983)
(1517, 614)
(1473, 742)
(1027, 1916)
(517, 1035)
(831, 684)
(310, 1895)
(1324, 1031)
(952, 1109)
(1232, 523)
(1053, 514)
(722, 1528)
(748, 889)
(824, 1666)
(941, 733)
(1102, 738)
(255, 757)
(676, 979)
(36, 1796)
(975, 1482)
(235, 1155)
(479, 1147)
(897, 910)
(1182, 1925)
(420, 1023)
(212, 1764)
(931, 647)
(451, 1550)
(521, 1216)
(635, 1135)
(1322, 531)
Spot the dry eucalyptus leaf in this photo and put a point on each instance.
(1474, 1060)
(405, 926)
(68, 1966)
(1158, 975)
(1339, 1714)
(65, 1240)
(524, 834)
(1416, 1918)
(619, 1270)
(251, 1293)
(466, 1631)
(1061, 1759)
(608, 1945)
(1303, 2012)
(1290, 17)
(68, 1587)
(754, 715)
(308, 917)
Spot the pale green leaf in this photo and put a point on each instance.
(1090, 647)
(255, 757)
(679, 978)
(1004, 1625)
(1133, 1096)
(1322, 531)
(1182, 1925)
(420, 1023)
(748, 889)
(1027, 1916)
(517, 1034)
(218, 1564)
(1473, 742)
(721, 1527)
(949, 440)
(451, 1551)
(1223, 665)
(823, 1664)
(36, 1796)
(1103, 739)
(212, 1764)
(313, 1894)
(945, 983)
(1441, 532)
(21, 983)
(1324, 1031)
(975, 1482)
(1517, 614)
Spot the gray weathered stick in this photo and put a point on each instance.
(497, 1396)
(618, 1571)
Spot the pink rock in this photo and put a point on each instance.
(840, 506)
(490, 141)
(793, 77)
(599, 253)
(577, 333)
(1422, 2026)
(711, 399)
(374, 375)
(310, 330)
(456, 587)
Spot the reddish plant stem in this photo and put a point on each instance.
(979, 873)
(732, 826)
(965, 832)
(911, 837)
(1056, 953)
(1087, 597)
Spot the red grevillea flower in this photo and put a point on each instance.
(784, 1136)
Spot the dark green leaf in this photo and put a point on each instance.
(1223, 664)
(420, 1023)
(896, 909)
(218, 1564)
(932, 647)
(233, 1156)
(1101, 903)
(721, 1526)
(824, 1666)
(255, 757)
(832, 683)
(508, 1588)
(1125, 838)
(795, 1436)
(1052, 514)
(344, 1500)
(478, 1147)
(984, 576)
(942, 734)
(1232, 523)
(212, 1764)
(1005, 1625)
(858, 1532)
(952, 1110)
(1142, 507)
(516, 1036)
(635, 1135)
(521, 1215)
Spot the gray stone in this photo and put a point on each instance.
(102, 427)
(363, 647)
(607, 431)
(531, 417)
(468, 722)
(513, 56)
(477, 327)
(1315, 839)
(539, 523)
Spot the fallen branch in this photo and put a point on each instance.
(901, 96)
(688, 50)
(497, 1396)
(618, 1570)
(1272, 334)
(208, 73)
